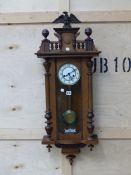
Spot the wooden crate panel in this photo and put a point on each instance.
(32, 158)
(110, 157)
(22, 76)
(27, 6)
(87, 5)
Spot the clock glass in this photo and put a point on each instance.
(69, 117)
(69, 74)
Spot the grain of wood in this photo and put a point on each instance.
(104, 16)
(48, 17)
(111, 157)
(28, 157)
(65, 166)
(101, 5)
(37, 133)
(64, 5)
(22, 103)
(27, 17)
(22, 77)
(28, 6)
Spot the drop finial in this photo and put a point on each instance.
(71, 158)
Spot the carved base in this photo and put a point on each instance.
(71, 147)
(70, 150)
(71, 143)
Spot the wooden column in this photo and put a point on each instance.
(48, 116)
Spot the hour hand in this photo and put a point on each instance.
(71, 78)
(66, 75)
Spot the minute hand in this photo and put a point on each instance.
(69, 73)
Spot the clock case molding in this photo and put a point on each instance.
(68, 49)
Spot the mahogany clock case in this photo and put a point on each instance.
(69, 106)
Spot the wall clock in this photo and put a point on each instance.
(68, 84)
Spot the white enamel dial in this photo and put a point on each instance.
(69, 74)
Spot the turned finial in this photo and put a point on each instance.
(45, 33)
(88, 32)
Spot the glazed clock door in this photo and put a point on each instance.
(69, 99)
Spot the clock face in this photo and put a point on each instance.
(69, 74)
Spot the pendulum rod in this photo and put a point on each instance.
(69, 97)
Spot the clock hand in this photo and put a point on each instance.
(72, 71)
(71, 78)
(65, 75)
(68, 74)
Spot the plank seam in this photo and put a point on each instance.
(48, 17)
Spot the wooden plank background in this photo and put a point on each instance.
(95, 5)
(49, 16)
(110, 157)
(28, 6)
(22, 81)
(22, 94)
(21, 157)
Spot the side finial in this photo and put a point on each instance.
(45, 33)
(89, 41)
(88, 32)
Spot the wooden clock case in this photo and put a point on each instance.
(55, 54)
